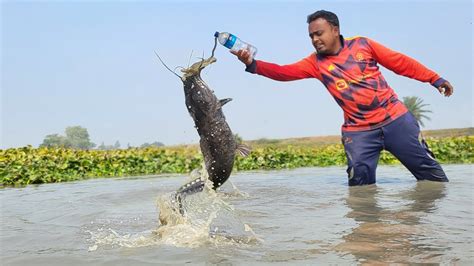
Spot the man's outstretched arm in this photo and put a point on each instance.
(409, 67)
(305, 68)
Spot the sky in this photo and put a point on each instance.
(92, 64)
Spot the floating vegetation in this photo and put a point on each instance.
(28, 165)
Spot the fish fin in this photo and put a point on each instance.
(224, 101)
(243, 150)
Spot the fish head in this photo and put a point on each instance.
(196, 68)
(200, 99)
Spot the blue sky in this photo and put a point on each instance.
(91, 63)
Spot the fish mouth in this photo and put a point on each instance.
(196, 68)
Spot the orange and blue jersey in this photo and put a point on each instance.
(353, 78)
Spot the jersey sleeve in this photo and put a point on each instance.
(403, 65)
(305, 68)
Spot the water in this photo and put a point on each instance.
(302, 216)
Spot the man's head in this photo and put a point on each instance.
(323, 29)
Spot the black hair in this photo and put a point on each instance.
(330, 17)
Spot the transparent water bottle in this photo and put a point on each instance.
(234, 43)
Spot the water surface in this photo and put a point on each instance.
(301, 216)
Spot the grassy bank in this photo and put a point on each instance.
(319, 141)
(27, 165)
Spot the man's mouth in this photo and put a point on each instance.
(319, 46)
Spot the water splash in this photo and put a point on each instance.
(109, 238)
(208, 220)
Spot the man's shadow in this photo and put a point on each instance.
(392, 233)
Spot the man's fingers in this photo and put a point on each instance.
(240, 53)
(243, 55)
(450, 89)
(446, 89)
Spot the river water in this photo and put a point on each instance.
(301, 216)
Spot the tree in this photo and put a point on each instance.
(54, 140)
(154, 144)
(76, 137)
(416, 106)
(101, 146)
(79, 138)
(157, 144)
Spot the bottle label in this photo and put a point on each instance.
(230, 41)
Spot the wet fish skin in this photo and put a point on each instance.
(217, 141)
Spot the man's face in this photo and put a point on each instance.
(324, 36)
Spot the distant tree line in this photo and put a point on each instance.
(77, 137)
(102, 146)
(153, 144)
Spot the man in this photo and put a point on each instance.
(374, 118)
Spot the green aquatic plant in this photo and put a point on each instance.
(28, 165)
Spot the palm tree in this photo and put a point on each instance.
(416, 106)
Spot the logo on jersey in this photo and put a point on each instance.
(359, 56)
(341, 84)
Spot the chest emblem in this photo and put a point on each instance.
(341, 84)
(359, 56)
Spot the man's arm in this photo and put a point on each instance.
(408, 67)
(305, 68)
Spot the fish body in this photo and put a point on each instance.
(217, 142)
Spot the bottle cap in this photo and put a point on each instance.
(216, 34)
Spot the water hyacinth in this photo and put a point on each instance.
(28, 165)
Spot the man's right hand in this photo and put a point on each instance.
(244, 56)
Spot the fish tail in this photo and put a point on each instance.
(192, 187)
(189, 188)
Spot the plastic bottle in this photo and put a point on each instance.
(234, 43)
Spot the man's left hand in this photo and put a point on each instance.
(446, 89)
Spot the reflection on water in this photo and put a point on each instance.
(303, 216)
(385, 234)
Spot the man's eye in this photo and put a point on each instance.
(317, 33)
